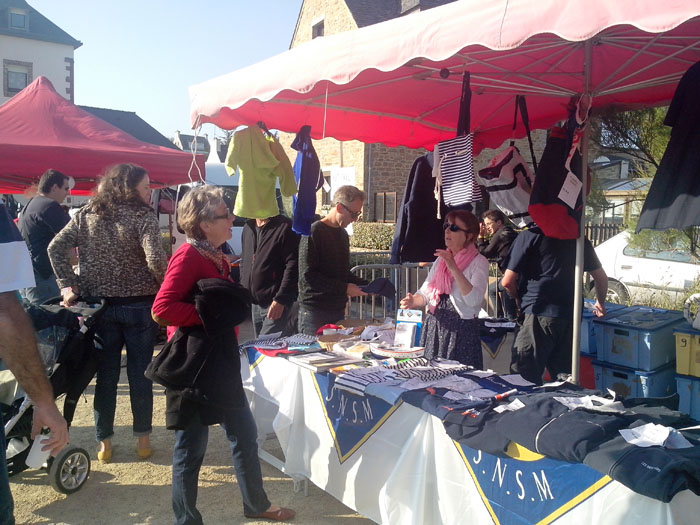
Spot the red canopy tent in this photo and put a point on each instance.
(398, 82)
(41, 129)
(382, 83)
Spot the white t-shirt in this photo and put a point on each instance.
(15, 262)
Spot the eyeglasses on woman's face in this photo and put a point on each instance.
(453, 228)
(228, 215)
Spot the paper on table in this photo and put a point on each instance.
(651, 435)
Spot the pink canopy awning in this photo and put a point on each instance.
(39, 129)
(382, 83)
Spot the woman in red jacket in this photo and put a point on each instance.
(207, 222)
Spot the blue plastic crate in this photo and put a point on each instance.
(627, 382)
(639, 337)
(689, 392)
(589, 344)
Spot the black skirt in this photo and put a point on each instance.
(445, 334)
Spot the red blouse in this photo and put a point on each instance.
(173, 305)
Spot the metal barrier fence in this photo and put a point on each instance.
(407, 277)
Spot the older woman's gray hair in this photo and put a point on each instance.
(198, 205)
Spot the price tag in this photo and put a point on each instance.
(570, 190)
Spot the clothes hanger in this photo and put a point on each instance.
(264, 129)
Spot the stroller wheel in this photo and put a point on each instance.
(69, 470)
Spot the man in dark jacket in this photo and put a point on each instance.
(495, 239)
(269, 270)
(41, 219)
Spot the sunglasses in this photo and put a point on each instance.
(354, 214)
(453, 228)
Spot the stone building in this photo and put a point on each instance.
(379, 170)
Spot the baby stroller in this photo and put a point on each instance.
(65, 337)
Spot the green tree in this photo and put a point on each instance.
(640, 135)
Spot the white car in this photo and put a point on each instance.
(633, 272)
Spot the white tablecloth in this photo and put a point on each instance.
(397, 465)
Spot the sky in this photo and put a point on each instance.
(143, 55)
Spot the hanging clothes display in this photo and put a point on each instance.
(309, 179)
(418, 231)
(673, 200)
(454, 172)
(508, 179)
(556, 203)
(261, 161)
(453, 169)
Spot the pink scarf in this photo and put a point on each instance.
(441, 283)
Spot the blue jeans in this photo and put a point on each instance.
(263, 326)
(310, 320)
(6, 504)
(129, 324)
(188, 454)
(44, 290)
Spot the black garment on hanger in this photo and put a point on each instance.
(418, 231)
(673, 200)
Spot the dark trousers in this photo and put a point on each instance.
(542, 342)
(311, 319)
(263, 326)
(188, 454)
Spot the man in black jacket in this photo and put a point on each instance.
(495, 239)
(41, 219)
(269, 270)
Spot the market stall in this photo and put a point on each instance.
(394, 463)
(41, 130)
(401, 84)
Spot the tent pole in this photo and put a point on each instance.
(578, 273)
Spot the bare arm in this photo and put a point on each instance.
(600, 281)
(19, 352)
(510, 283)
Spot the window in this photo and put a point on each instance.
(18, 19)
(16, 81)
(317, 29)
(16, 76)
(385, 206)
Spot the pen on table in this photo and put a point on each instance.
(499, 397)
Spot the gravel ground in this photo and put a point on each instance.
(130, 490)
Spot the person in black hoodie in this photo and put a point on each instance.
(269, 270)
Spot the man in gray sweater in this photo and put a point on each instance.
(325, 280)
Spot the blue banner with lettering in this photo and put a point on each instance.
(351, 418)
(532, 488)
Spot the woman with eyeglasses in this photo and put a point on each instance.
(121, 259)
(205, 327)
(454, 292)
